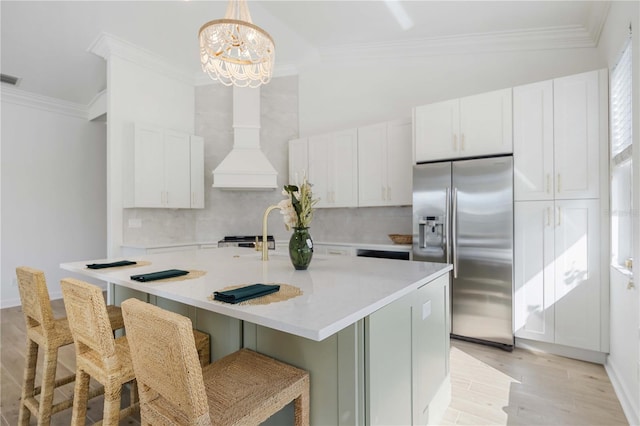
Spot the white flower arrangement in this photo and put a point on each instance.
(297, 208)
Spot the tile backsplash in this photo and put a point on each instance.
(241, 212)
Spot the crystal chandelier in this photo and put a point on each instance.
(234, 51)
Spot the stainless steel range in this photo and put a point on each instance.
(246, 241)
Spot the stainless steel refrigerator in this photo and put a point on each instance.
(463, 214)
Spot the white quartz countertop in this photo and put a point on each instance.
(280, 244)
(337, 290)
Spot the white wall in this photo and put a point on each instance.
(53, 192)
(138, 93)
(344, 95)
(623, 363)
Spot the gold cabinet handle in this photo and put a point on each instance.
(559, 216)
(559, 183)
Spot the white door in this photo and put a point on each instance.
(576, 134)
(177, 151)
(372, 165)
(534, 270)
(533, 141)
(399, 167)
(436, 131)
(577, 270)
(148, 167)
(486, 124)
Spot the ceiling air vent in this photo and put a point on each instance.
(9, 79)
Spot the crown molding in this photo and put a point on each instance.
(107, 45)
(566, 37)
(45, 103)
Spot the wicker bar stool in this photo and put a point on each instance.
(43, 330)
(98, 353)
(244, 388)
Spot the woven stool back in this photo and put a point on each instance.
(34, 297)
(165, 361)
(88, 318)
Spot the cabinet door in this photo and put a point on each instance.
(197, 172)
(319, 169)
(577, 274)
(533, 141)
(388, 364)
(436, 131)
(576, 133)
(430, 345)
(343, 168)
(534, 270)
(399, 168)
(486, 124)
(177, 169)
(298, 161)
(148, 167)
(372, 165)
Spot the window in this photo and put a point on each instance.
(621, 161)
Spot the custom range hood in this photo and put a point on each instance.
(245, 167)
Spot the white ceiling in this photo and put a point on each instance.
(45, 43)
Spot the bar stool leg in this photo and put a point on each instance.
(28, 382)
(48, 386)
(301, 408)
(112, 395)
(81, 394)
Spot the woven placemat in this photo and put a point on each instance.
(192, 275)
(286, 292)
(138, 264)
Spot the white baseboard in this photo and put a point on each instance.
(629, 406)
(566, 351)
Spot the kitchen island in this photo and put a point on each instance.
(373, 333)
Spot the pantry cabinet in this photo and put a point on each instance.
(472, 126)
(158, 168)
(556, 138)
(384, 164)
(333, 168)
(557, 272)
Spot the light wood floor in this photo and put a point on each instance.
(489, 386)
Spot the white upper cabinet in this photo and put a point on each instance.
(197, 171)
(384, 164)
(333, 168)
(576, 110)
(533, 141)
(556, 138)
(298, 160)
(437, 128)
(158, 167)
(467, 127)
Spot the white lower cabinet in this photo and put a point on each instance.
(557, 272)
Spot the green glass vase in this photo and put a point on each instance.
(300, 248)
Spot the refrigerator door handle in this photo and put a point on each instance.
(454, 236)
(447, 225)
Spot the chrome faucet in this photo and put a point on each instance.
(265, 246)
